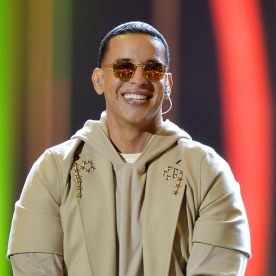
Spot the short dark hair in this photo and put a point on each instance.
(131, 27)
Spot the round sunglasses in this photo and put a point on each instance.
(124, 70)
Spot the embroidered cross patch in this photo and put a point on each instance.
(173, 173)
(85, 166)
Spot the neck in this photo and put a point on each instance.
(130, 139)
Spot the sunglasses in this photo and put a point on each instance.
(124, 70)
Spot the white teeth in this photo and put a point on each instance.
(135, 97)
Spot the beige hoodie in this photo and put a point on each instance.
(107, 217)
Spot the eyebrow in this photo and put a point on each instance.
(123, 59)
(128, 59)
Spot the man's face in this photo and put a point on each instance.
(137, 101)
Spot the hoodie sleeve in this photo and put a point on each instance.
(36, 224)
(208, 259)
(222, 219)
(37, 264)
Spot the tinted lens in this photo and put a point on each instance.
(154, 71)
(124, 70)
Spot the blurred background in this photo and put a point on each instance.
(223, 59)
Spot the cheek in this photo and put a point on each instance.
(159, 91)
(112, 90)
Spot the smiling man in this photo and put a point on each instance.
(134, 105)
(130, 194)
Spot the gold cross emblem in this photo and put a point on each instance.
(171, 173)
(85, 166)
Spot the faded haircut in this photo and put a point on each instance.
(131, 27)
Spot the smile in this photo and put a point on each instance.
(135, 97)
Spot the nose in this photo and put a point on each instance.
(139, 76)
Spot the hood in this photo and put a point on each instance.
(95, 134)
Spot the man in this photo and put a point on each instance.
(130, 194)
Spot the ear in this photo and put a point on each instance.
(168, 85)
(97, 80)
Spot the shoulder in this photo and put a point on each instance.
(198, 152)
(62, 151)
(64, 148)
(204, 165)
(51, 170)
(56, 160)
(189, 144)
